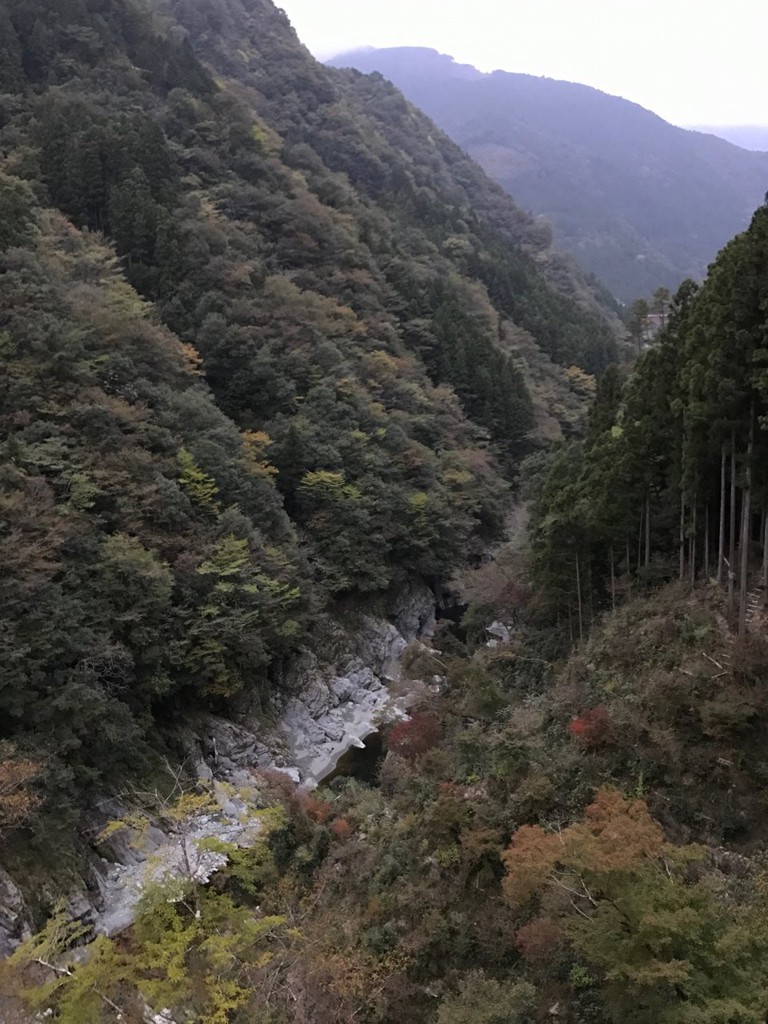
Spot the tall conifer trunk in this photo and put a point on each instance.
(613, 581)
(682, 534)
(647, 528)
(721, 537)
(732, 527)
(746, 523)
(692, 555)
(629, 570)
(578, 592)
(706, 543)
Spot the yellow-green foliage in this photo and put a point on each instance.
(83, 989)
(205, 956)
(484, 1000)
(194, 948)
(82, 492)
(582, 382)
(229, 558)
(224, 639)
(255, 446)
(418, 504)
(324, 487)
(199, 487)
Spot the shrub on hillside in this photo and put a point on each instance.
(415, 736)
(591, 728)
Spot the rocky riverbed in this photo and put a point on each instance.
(326, 708)
(334, 696)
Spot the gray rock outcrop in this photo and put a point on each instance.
(499, 634)
(155, 856)
(333, 697)
(14, 917)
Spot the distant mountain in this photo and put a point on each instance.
(748, 136)
(638, 201)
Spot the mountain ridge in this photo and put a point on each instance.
(639, 202)
(746, 136)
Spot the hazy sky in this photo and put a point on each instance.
(691, 61)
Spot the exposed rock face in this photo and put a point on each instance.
(168, 856)
(330, 705)
(499, 634)
(332, 701)
(14, 920)
(124, 847)
(415, 612)
(334, 697)
(227, 748)
(321, 725)
(133, 857)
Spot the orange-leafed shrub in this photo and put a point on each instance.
(297, 801)
(341, 828)
(317, 810)
(18, 798)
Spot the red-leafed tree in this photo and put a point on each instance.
(415, 736)
(592, 727)
(537, 939)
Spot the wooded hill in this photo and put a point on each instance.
(255, 326)
(639, 202)
(671, 478)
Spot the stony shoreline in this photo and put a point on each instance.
(328, 706)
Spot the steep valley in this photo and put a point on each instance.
(270, 356)
(308, 433)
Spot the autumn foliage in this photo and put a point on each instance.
(537, 939)
(341, 828)
(299, 803)
(617, 834)
(591, 728)
(18, 798)
(315, 809)
(415, 736)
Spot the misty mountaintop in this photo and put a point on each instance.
(638, 201)
(748, 136)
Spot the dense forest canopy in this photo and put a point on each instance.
(255, 321)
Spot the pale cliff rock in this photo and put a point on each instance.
(333, 697)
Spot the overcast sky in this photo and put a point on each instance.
(691, 61)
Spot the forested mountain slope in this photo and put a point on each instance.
(670, 480)
(257, 360)
(437, 211)
(639, 202)
(248, 387)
